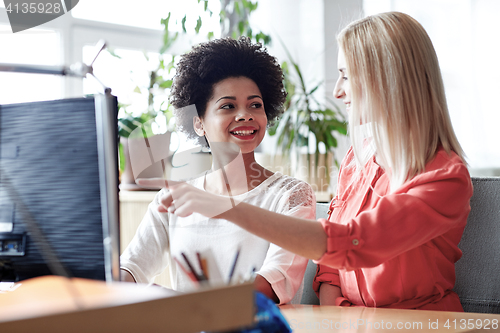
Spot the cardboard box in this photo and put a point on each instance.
(57, 304)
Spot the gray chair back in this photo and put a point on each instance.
(478, 271)
(308, 295)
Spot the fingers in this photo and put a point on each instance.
(183, 200)
(156, 183)
(171, 199)
(165, 201)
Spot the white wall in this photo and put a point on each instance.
(308, 29)
(465, 34)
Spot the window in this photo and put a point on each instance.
(34, 46)
(148, 13)
(133, 28)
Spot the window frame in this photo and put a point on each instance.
(75, 33)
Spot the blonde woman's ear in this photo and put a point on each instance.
(198, 126)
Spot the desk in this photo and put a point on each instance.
(315, 318)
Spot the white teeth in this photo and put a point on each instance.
(243, 132)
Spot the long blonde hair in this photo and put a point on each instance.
(397, 94)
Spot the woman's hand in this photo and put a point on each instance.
(183, 199)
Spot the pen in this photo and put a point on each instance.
(231, 273)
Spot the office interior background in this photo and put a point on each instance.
(464, 32)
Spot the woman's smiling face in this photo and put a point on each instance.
(235, 113)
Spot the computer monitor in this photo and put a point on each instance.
(59, 189)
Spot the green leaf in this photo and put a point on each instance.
(121, 156)
(290, 140)
(137, 90)
(331, 140)
(259, 36)
(166, 84)
(205, 6)
(168, 41)
(241, 27)
(183, 22)
(210, 35)
(315, 88)
(222, 15)
(237, 8)
(272, 130)
(165, 21)
(112, 52)
(267, 39)
(198, 25)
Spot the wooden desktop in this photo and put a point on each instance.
(316, 318)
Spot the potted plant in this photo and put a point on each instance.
(305, 118)
(142, 153)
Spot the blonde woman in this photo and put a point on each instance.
(402, 202)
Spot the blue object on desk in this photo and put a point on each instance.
(268, 318)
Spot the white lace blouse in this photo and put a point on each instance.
(162, 236)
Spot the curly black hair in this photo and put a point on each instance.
(211, 62)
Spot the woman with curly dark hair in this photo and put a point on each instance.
(226, 92)
(210, 63)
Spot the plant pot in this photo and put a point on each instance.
(145, 158)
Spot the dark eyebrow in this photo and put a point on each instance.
(234, 98)
(254, 96)
(341, 69)
(226, 97)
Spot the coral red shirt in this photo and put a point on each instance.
(397, 250)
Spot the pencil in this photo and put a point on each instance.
(191, 268)
(231, 273)
(203, 265)
(191, 276)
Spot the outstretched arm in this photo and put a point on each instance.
(303, 237)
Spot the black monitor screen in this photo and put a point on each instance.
(53, 173)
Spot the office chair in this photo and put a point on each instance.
(478, 271)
